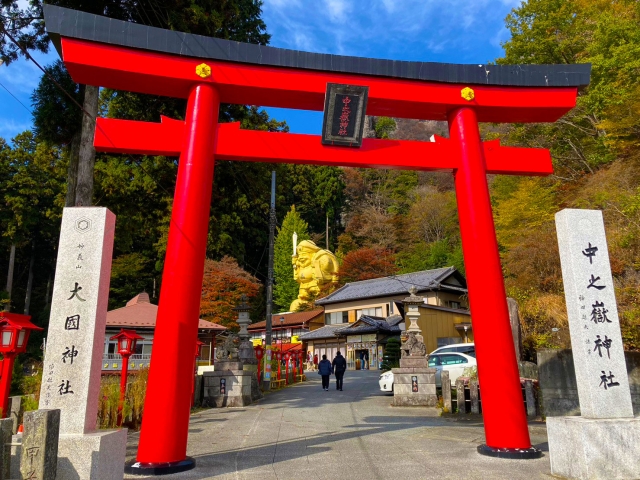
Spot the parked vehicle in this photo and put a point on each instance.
(454, 363)
(386, 381)
(466, 348)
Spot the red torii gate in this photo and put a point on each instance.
(206, 71)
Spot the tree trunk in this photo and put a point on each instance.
(72, 171)
(9, 287)
(47, 295)
(87, 156)
(27, 297)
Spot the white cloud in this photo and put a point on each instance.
(389, 5)
(9, 128)
(338, 10)
(276, 4)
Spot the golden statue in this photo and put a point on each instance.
(313, 267)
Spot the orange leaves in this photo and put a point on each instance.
(223, 284)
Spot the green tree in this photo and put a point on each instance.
(391, 354)
(285, 289)
(383, 126)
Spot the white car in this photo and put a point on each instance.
(466, 348)
(386, 381)
(454, 363)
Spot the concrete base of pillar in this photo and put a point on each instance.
(594, 448)
(405, 381)
(93, 456)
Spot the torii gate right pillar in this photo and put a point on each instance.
(505, 422)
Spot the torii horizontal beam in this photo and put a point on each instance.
(233, 143)
(173, 76)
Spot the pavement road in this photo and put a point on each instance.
(303, 432)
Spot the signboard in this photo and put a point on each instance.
(414, 384)
(354, 338)
(369, 337)
(344, 110)
(223, 386)
(267, 363)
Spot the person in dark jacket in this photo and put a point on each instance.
(324, 369)
(339, 367)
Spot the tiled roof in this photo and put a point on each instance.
(141, 313)
(369, 324)
(290, 319)
(396, 285)
(328, 331)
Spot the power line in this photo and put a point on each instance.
(16, 98)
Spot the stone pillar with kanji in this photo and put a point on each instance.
(75, 344)
(604, 442)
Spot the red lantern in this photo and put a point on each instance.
(127, 340)
(259, 353)
(287, 356)
(279, 357)
(14, 335)
(301, 358)
(294, 356)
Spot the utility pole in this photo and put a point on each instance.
(272, 227)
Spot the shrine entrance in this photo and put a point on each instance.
(207, 71)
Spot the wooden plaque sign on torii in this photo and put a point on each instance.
(207, 71)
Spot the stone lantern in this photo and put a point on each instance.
(243, 318)
(412, 310)
(413, 342)
(414, 383)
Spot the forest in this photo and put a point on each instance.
(378, 222)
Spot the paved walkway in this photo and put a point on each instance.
(303, 432)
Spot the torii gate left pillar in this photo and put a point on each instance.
(115, 54)
(181, 291)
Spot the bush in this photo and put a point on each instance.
(391, 357)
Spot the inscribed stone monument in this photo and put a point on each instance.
(605, 441)
(40, 445)
(75, 344)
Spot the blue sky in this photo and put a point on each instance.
(451, 31)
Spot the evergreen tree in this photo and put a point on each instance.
(285, 289)
(391, 354)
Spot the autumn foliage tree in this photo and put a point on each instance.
(367, 263)
(223, 285)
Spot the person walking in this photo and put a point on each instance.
(339, 365)
(325, 369)
(315, 362)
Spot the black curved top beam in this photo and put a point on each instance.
(64, 22)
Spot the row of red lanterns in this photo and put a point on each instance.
(259, 349)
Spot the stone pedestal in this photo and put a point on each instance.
(228, 387)
(414, 386)
(601, 448)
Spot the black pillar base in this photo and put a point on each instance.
(513, 453)
(137, 468)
